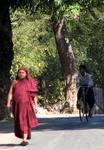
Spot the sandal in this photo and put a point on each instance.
(24, 143)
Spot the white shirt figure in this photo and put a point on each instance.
(85, 79)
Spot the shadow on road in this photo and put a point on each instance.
(8, 145)
(6, 126)
(59, 123)
(70, 123)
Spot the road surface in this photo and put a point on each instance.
(58, 133)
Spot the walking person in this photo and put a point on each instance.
(23, 97)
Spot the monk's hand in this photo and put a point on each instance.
(8, 105)
(35, 109)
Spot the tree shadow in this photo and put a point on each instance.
(59, 123)
(6, 126)
(70, 123)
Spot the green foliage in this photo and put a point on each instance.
(87, 36)
(34, 47)
(34, 44)
(72, 11)
(30, 41)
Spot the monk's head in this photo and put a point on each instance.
(22, 73)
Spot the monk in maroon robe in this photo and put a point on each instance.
(23, 96)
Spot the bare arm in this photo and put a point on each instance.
(10, 95)
(36, 103)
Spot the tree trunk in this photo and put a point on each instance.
(67, 59)
(6, 53)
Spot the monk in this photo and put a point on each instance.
(23, 97)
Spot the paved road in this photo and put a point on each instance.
(58, 133)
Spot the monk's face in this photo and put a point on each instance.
(22, 74)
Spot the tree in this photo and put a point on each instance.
(66, 55)
(42, 5)
(6, 50)
(34, 47)
(62, 11)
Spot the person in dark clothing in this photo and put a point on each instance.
(84, 79)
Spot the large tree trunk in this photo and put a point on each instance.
(6, 52)
(67, 59)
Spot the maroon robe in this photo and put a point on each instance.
(24, 116)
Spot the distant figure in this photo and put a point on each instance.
(23, 97)
(84, 80)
